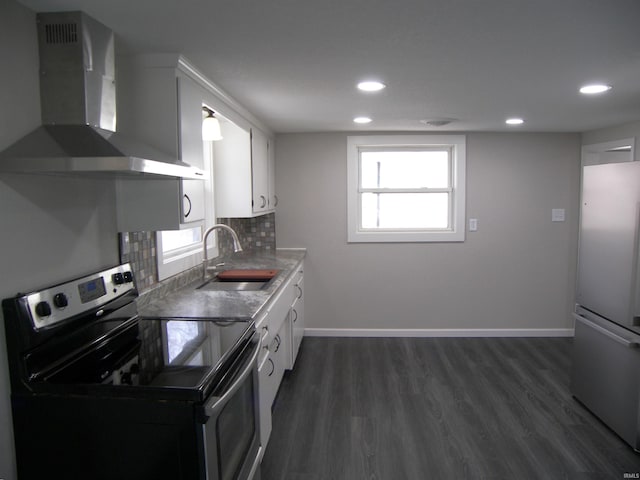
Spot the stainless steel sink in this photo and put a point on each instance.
(239, 280)
(215, 284)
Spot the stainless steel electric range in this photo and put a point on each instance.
(99, 393)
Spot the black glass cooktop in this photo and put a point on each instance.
(181, 353)
(160, 358)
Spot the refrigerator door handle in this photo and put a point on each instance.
(604, 331)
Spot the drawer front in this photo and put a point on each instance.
(267, 392)
(277, 311)
(605, 375)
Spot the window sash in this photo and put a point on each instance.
(402, 149)
(455, 148)
(399, 190)
(405, 190)
(448, 214)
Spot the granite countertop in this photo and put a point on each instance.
(186, 302)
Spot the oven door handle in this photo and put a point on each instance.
(212, 407)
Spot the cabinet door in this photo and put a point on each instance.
(190, 97)
(278, 350)
(259, 171)
(232, 157)
(193, 194)
(267, 392)
(271, 166)
(297, 319)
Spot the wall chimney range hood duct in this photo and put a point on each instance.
(78, 102)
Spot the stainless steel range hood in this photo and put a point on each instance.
(78, 101)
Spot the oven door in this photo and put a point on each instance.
(232, 426)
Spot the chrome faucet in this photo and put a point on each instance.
(218, 226)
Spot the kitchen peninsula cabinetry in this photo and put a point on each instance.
(162, 106)
(244, 167)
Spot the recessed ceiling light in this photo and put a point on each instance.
(514, 121)
(371, 86)
(362, 120)
(595, 88)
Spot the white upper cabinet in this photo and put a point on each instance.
(273, 198)
(260, 171)
(243, 182)
(161, 105)
(190, 97)
(232, 171)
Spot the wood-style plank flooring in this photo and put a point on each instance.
(438, 408)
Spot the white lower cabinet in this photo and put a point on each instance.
(266, 370)
(297, 315)
(281, 328)
(271, 367)
(273, 327)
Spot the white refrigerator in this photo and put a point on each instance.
(606, 368)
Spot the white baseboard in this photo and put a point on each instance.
(438, 332)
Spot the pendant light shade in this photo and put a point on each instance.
(210, 127)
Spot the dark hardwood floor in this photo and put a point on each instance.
(438, 408)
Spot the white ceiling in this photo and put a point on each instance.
(295, 63)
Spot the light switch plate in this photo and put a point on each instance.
(557, 215)
(473, 224)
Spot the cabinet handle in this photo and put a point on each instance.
(278, 342)
(275, 200)
(273, 367)
(295, 319)
(299, 292)
(264, 201)
(189, 202)
(265, 333)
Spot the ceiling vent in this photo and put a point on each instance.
(437, 122)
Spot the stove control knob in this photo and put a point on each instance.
(60, 300)
(43, 309)
(117, 278)
(128, 277)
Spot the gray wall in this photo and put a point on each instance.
(516, 272)
(617, 132)
(52, 228)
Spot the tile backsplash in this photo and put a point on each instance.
(256, 234)
(142, 256)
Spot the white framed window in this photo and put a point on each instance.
(178, 250)
(406, 188)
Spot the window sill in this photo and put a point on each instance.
(405, 237)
